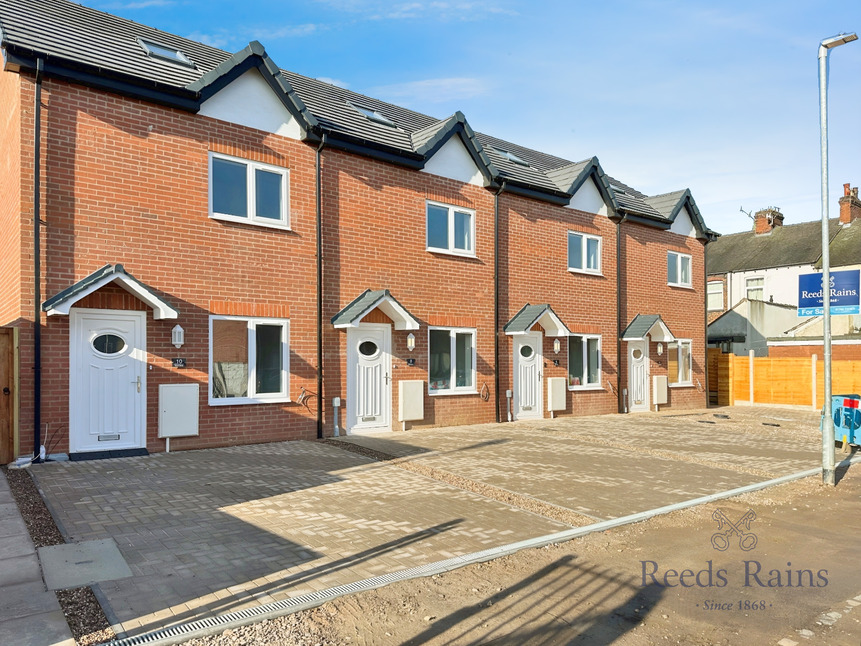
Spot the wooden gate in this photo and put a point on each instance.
(7, 395)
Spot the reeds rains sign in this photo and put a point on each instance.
(844, 293)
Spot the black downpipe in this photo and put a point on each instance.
(496, 299)
(320, 291)
(37, 266)
(620, 397)
(706, 317)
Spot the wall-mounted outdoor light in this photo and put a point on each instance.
(411, 341)
(660, 349)
(177, 336)
(557, 345)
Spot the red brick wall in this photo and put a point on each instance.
(645, 291)
(839, 352)
(127, 183)
(534, 269)
(375, 238)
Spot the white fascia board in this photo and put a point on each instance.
(161, 310)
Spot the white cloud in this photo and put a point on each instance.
(417, 93)
(335, 82)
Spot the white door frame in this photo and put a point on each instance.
(642, 346)
(80, 395)
(355, 336)
(536, 340)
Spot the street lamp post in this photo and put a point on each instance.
(825, 47)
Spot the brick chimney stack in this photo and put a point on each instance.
(766, 219)
(850, 205)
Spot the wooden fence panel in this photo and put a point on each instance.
(741, 378)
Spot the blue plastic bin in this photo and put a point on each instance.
(847, 418)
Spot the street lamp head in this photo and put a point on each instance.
(839, 39)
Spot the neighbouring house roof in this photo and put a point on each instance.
(87, 46)
(784, 246)
(845, 248)
(61, 303)
(651, 325)
(529, 315)
(368, 300)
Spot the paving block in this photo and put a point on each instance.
(20, 569)
(26, 599)
(78, 564)
(46, 628)
(12, 546)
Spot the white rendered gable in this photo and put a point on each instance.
(249, 101)
(588, 199)
(454, 162)
(683, 224)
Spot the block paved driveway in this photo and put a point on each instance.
(213, 531)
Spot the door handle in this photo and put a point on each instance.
(6, 390)
(138, 382)
(387, 378)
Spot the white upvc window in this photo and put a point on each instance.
(451, 360)
(248, 360)
(679, 362)
(246, 191)
(678, 269)
(584, 361)
(584, 253)
(755, 288)
(450, 229)
(714, 300)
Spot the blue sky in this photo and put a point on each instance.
(718, 97)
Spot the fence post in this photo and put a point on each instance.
(750, 369)
(813, 359)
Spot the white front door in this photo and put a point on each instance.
(369, 378)
(107, 380)
(528, 361)
(638, 376)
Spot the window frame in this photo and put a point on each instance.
(250, 184)
(747, 287)
(455, 390)
(253, 397)
(584, 340)
(679, 256)
(584, 247)
(711, 292)
(452, 209)
(677, 383)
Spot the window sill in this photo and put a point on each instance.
(245, 401)
(592, 387)
(442, 393)
(585, 272)
(681, 286)
(449, 252)
(682, 385)
(264, 224)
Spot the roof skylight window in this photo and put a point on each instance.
(165, 53)
(510, 156)
(375, 116)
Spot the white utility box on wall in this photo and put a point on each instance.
(659, 390)
(411, 401)
(178, 410)
(557, 389)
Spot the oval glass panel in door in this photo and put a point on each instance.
(526, 351)
(368, 348)
(109, 344)
(637, 353)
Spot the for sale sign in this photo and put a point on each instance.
(844, 291)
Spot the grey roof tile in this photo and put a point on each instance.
(528, 316)
(640, 326)
(792, 244)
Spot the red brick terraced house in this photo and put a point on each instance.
(220, 252)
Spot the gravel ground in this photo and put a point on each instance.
(83, 613)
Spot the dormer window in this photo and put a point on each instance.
(375, 116)
(510, 156)
(165, 53)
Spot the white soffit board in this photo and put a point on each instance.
(454, 162)
(249, 101)
(588, 199)
(683, 225)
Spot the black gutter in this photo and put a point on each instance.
(98, 78)
(620, 399)
(320, 290)
(560, 199)
(37, 266)
(648, 221)
(371, 149)
(496, 299)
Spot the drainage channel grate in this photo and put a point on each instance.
(183, 632)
